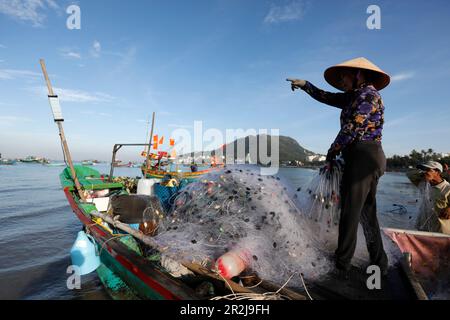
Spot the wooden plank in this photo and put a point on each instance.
(417, 233)
(416, 286)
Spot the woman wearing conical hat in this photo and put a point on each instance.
(359, 142)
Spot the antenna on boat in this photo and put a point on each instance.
(58, 118)
(149, 145)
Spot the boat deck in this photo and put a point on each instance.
(393, 287)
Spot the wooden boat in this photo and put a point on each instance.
(30, 159)
(7, 162)
(159, 174)
(139, 276)
(131, 265)
(427, 256)
(55, 164)
(123, 261)
(120, 164)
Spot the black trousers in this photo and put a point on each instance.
(365, 163)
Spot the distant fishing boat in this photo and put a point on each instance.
(120, 164)
(30, 159)
(55, 164)
(7, 162)
(87, 163)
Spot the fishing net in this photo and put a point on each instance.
(427, 219)
(239, 209)
(320, 201)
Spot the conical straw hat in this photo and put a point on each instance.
(380, 80)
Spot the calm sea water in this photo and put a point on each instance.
(37, 227)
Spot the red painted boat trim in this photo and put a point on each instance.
(121, 259)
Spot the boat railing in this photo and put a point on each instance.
(116, 148)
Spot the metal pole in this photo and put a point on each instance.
(149, 145)
(62, 136)
(113, 161)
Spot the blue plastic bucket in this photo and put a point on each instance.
(84, 254)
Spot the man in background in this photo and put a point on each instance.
(437, 219)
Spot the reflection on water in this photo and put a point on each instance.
(37, 227)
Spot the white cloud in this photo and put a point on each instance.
(402, 76)
(96, 49)
(27, 10)
(69, 54)
(8, 74)
(289, 12)
(2, 46)
(12, 120)
(71, 95)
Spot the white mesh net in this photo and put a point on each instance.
(238, 208)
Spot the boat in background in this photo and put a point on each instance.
(87, 163)
(120, 164)
(55, 164)
(30, 159)
(157, 164)
(190, 176)
(7, 162)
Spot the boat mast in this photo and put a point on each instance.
(54, 103)
(147, 159)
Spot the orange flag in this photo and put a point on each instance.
(161, 141)
(172, 142)
(155, 142)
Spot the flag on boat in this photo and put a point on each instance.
(155, 142)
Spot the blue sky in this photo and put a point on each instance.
(223, 62)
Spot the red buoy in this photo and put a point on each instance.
(232, 263)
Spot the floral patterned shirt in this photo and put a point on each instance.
(362, 115)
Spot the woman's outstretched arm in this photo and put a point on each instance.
(338, 100)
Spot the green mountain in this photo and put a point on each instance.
(289, 148)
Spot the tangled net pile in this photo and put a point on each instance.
(237, 208)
